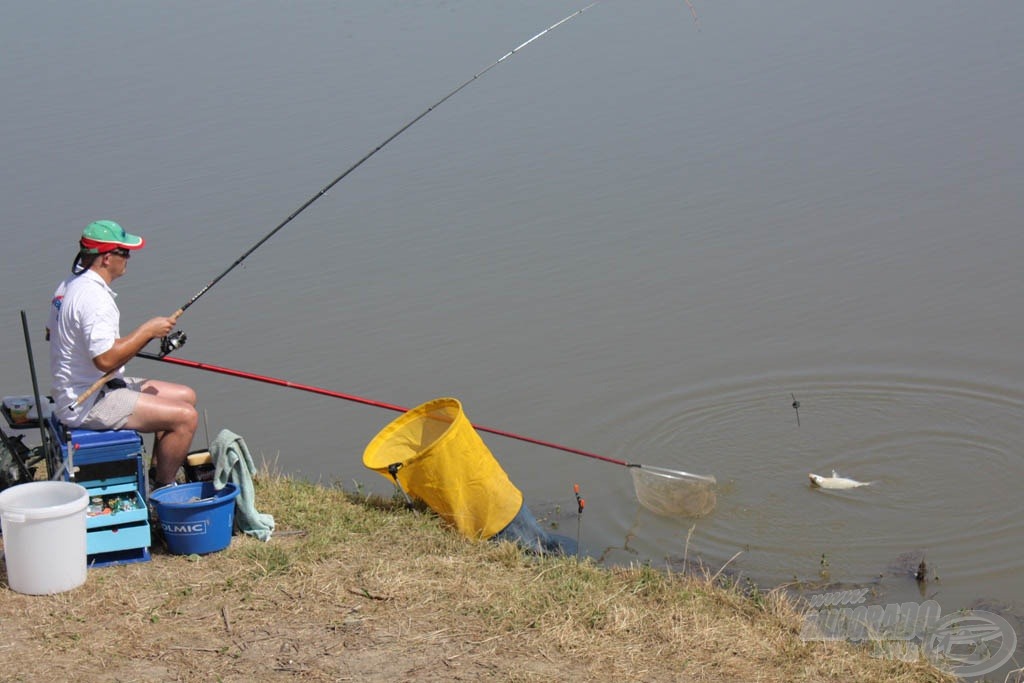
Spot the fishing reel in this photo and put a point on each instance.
(172, 342)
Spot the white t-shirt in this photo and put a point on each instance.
(55, 303)
(84, 323)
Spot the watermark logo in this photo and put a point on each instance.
(978, 642)
(966, 643)
(850, 597)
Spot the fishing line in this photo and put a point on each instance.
(376, 149)
(177, 339)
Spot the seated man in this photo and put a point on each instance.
(86, 345)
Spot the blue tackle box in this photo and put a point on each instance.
(110, 465)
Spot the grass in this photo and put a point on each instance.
(355, 588)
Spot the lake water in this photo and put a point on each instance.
(641, 236)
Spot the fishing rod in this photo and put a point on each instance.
(365, 401)
(672, 493)
(177, 339)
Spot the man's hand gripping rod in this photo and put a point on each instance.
(171, 342)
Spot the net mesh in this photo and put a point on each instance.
(672, 493)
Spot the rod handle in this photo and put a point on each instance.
(92, 390)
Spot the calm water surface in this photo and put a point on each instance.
(641, 236)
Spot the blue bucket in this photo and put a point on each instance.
(196, 518)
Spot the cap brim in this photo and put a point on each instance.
(130, 242)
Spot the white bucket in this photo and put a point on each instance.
(43, 525)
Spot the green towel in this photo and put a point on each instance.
(232, 462)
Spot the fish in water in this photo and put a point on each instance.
(835, 481)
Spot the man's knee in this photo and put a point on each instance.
(190, 417)
(188, 394)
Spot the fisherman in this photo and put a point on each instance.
(86, 344)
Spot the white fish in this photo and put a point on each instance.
(835, 481)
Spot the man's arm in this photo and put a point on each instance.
(125, 348)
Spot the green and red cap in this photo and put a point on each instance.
(103, 236)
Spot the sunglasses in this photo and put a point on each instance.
(123, 253)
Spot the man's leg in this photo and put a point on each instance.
(178, 392)
(172, 419)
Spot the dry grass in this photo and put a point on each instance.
(368, 592)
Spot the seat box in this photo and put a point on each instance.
(101, 458)
(86, 443)
(109, 464)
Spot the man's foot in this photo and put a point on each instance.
(154, 484)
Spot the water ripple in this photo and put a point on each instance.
(941, 452)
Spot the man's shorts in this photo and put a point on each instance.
(114, 406)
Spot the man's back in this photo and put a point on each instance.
(84, 323)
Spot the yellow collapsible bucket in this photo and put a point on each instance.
(434, 454)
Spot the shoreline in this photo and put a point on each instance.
(357, 588)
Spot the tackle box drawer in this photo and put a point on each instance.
(110, 474)
(126, 537)
(138, 512)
